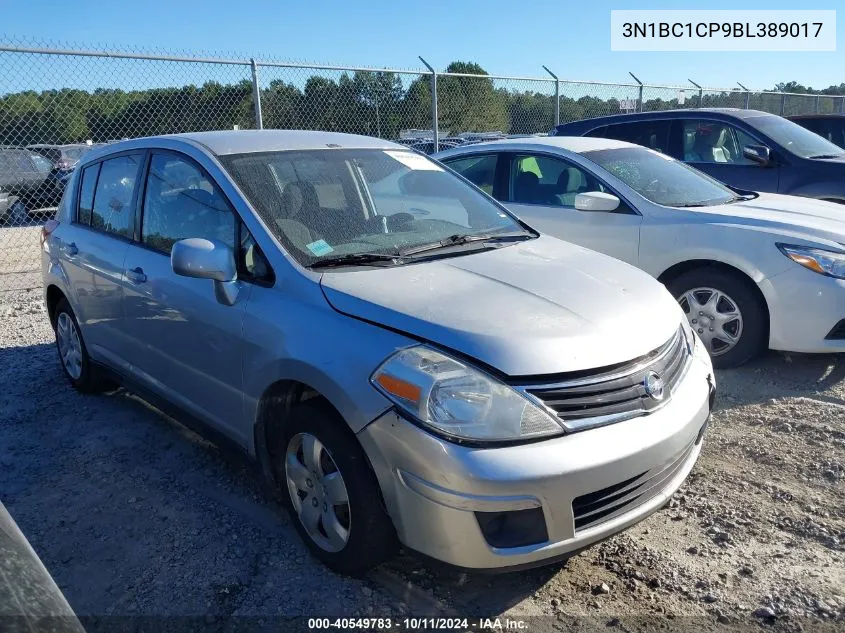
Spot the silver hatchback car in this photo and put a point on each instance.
(401, 355)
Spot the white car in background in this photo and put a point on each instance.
(751, 270)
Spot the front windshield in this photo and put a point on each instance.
(332, 202)
(794, 138)
(660, 178)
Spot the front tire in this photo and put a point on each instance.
(725, 312)
(73, 355)
(332, 494)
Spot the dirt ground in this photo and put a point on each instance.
(135, 515)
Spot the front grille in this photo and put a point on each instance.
(612, 395)
(837, 333)
(602, 505)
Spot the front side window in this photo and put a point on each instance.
(180, 201)
(660, 178)
(651, 134)
(538, 179)
(112, 209)
(715, 142)
(86, 193)
(479, 170)
(334, 202)
(794, 138)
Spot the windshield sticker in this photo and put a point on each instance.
(320, 247)
(414, 161)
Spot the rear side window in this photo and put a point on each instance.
(479, 170)
(651, 134)
(86, 193)
(112, 210)
(181, 202)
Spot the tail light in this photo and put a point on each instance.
(47, 229)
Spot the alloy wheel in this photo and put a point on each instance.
(70, 346)
(318, 492)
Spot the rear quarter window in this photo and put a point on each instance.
(86, 193)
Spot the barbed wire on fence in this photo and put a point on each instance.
(59, 100)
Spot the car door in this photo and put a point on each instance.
(541, 189)
(92, 248)
(186, 345)
(716, 148)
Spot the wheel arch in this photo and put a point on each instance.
(676, 270)
(53, 295)
(274, 407)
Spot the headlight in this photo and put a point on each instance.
(458, 401)
(830, 263)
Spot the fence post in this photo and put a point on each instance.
(700, 93)
(842, 106)
(640, 95)
(557, 95)
(256, 95)
(782, 103)
(747, 95)
(435, 126)
(818, 103)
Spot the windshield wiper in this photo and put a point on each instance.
(352, 259)
(462, 238)
(826, 156)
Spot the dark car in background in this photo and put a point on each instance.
(63, 157)
(829, 126)
(746, 149)
(25, 184)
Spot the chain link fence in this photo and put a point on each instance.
(57, 103)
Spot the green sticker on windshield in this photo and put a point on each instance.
(320, 247)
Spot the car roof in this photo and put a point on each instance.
(717, 113)
(798, 117)
(577, 144)
(246, 141)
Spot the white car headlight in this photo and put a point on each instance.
(459, 401)
(824, 262)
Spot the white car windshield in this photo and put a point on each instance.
(794, 138)
(662, 179)
(329, 203)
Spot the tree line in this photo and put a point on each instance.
(372, 103)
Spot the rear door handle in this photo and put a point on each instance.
(136, 275)
(70, 249)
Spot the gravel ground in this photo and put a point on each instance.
(135, 515)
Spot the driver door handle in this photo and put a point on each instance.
(136, 275)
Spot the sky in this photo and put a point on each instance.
(505, 38)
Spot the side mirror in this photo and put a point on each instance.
(207, 259)
(596, 201)
(760, 154)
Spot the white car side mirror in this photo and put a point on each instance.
(596, 201)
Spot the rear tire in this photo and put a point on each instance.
(725, 312)
(76, 364)
(321, 464)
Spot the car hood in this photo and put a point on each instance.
(542, 306)
(792, 214)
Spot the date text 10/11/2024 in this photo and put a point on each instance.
(418, 624)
